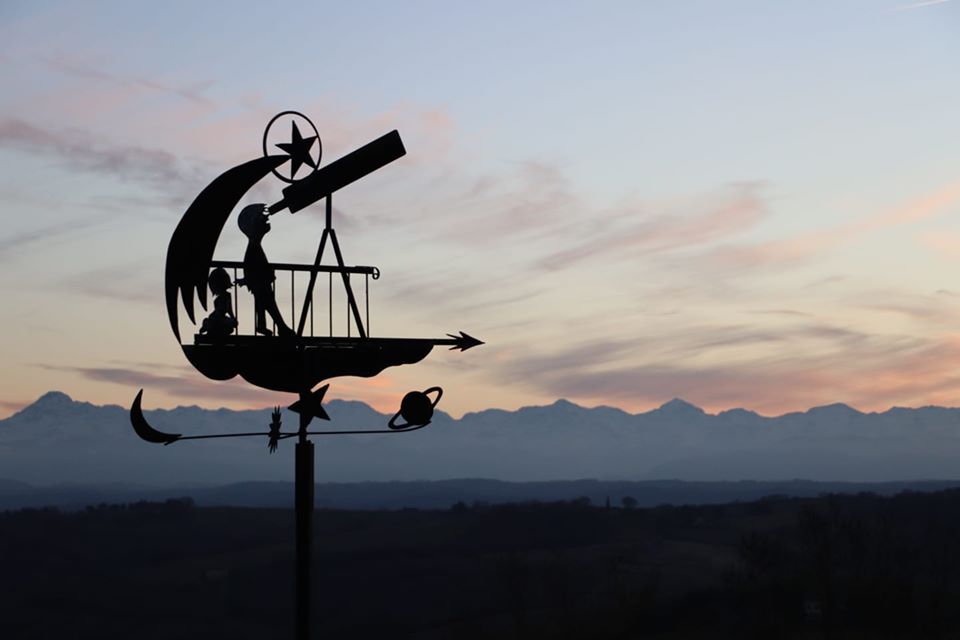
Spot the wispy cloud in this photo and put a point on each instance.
(902, 376)
(766, 368)
(531, 199)
(917, 5)
(801, 248)
(24, 240)
(733, 212)
(195, 92)
(584, 356)
(781, 312)
(938, 308)
(155, 168)
(183, 385)
(123, 282)
(455, 292)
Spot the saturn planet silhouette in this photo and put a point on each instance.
(416, 408)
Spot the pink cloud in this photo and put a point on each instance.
(804, 246)
(944, 242)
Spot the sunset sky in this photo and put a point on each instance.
(742, 204)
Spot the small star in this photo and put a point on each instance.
(312, 404)
(298, 149)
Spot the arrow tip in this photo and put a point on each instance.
(464, 341)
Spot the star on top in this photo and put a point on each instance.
(299, 150)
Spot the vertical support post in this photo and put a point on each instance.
(351, 300)
(304, 507)
(308, 298)
(236, 303)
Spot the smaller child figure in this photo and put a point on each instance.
(221, 322)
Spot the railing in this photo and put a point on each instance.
(286, 297)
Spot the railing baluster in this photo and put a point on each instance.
(366, 293)
(236, 303)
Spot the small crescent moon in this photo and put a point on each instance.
(143, 428)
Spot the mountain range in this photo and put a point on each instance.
(58, 440)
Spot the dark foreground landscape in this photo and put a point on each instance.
(854, 566)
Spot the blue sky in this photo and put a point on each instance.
(741, 203)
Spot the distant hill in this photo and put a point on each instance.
(442, 494)
(58, 440)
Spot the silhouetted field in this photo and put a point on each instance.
(855, 566)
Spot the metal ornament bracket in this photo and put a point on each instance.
(290, 361)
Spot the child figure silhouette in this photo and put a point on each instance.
(221, 322)
(258, 274)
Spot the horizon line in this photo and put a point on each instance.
(675, 401)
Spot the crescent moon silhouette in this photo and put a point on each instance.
(143, 428)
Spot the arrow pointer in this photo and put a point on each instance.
(461, 342)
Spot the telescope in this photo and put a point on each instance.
(339, 173)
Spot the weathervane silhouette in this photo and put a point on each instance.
(288, 359)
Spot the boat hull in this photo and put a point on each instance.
(299, 364)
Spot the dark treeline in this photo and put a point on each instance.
(836, 566)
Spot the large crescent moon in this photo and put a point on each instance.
(143, 428)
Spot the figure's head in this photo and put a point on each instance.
(253, 221)
(219, 280)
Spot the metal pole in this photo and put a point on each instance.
(304, 507)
